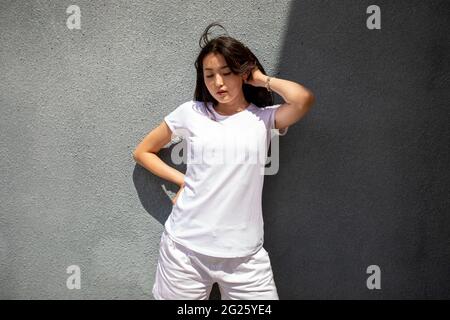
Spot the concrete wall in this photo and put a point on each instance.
(363, 178)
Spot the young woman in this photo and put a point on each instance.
(215, 230)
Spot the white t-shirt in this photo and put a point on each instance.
(219, 211)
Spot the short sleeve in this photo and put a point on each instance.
(178, 119)
(271, 118)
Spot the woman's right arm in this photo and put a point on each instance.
(145, 155)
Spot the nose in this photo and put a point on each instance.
(218, 80)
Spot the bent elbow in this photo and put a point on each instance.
(135, 155)
(311, 99)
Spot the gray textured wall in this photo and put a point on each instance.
(363, 179)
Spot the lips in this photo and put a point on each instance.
(221, 92)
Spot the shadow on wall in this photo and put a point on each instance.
(358, 183)
(150, 187)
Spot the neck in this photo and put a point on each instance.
(234, 106)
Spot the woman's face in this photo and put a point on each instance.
(219, 78)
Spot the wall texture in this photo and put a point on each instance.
(363, 178)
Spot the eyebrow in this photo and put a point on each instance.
(220, 68)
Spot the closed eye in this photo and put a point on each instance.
(225, 74)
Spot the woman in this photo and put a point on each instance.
(215, 230)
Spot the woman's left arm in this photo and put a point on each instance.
(298, 99)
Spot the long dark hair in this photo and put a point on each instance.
(241, 61)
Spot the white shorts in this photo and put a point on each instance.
(183, 274)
